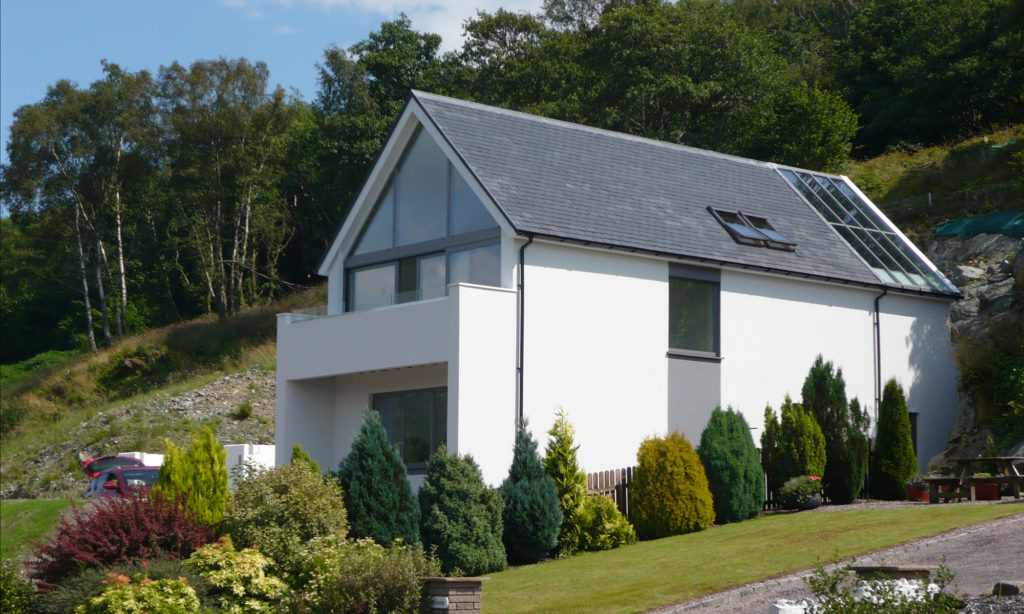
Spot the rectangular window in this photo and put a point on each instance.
(693, 315)
(372, 287)
(415, 420)
(479, 265)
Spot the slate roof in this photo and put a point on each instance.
(561, 180)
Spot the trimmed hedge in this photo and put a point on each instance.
(670, 489)
(894, 461)
(732, 466)
(460, 516)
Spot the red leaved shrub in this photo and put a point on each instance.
(117, 530)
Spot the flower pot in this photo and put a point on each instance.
(810, 502)
(917, 493)
(986, 492)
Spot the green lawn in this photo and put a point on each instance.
(665, 571)
(24, 520)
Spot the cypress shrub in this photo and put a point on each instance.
(531, 515)
(301, 456)
(770, 457)
(670, 489)
(843, 425)
(460, 516)
(588, 523)
(378, 497)
(801, 443)
(282, 508)
(733, 469)
(894, 461)
(570, 482)
(198, 477)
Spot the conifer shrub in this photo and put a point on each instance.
(531, 514)
(771, 459)
(588, 523)
(732, 466)
(197, 477)
(378, 497)
(79, 588)
(16, 594)
(117, 530)
(894, 461)
(300, 455)
(801, 442)
(361, 576)
(278, 510)
(460, 517)
(600, 525)
(843, 425)
(669, 494)
(562, 467)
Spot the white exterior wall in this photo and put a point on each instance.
(916, 351)
(482, 378)
(774, 327)
(596, 331)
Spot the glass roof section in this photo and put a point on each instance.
(752, 230)
(888, 253)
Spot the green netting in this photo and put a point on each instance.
(1005, 222)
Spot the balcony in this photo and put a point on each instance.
(311, 344)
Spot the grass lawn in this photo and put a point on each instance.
(665, 571)
(23, 520)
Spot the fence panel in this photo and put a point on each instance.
(612, 483)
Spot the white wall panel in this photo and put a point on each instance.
(596, 333)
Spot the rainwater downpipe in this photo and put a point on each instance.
(878, 354)
(522, 338)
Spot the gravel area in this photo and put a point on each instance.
(979, 555)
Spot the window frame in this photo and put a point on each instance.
(758, 237)
(713, 278)
(416, 467)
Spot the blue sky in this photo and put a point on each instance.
(42, 41)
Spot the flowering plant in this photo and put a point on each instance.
(801, 492)
(124, 595)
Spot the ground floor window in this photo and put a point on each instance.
(416, 420)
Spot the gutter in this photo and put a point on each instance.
(878, 354)
(520, 325)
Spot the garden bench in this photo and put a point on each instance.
(953, 489)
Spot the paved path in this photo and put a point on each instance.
(980, 555)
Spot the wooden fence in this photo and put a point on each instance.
(612, 483)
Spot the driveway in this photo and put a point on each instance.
(980, 555)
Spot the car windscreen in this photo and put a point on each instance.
(139, 477)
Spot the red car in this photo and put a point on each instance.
(118, 476)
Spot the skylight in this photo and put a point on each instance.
(888, 254)
(752, 230)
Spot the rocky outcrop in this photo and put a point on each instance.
(239, 408)
(989, 270)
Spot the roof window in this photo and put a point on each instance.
(752, 230)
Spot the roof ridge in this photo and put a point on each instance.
(419, 95)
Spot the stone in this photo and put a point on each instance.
(786, 606)
(1006, 588)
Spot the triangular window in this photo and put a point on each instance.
(379, 233)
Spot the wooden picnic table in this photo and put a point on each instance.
(964, 479)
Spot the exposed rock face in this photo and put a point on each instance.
(989, 271)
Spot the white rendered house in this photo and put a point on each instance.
(498, 264)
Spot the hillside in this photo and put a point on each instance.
(60, 407)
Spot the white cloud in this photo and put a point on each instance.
(284, 30)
